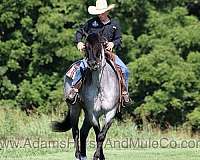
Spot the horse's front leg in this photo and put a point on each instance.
(98, 154)
(102, 134)
(100, 139)
(74, 115)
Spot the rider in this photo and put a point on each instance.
(110, 29)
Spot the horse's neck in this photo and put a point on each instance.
(95, 77)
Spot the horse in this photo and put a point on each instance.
(99, 96)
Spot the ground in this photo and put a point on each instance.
(111, 154)
(32, 131)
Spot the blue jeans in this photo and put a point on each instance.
(83, 66)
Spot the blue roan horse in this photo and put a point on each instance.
(99, 96)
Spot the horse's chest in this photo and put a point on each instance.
(93, 95)
(94, 98)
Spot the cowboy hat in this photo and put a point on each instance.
(101, 7)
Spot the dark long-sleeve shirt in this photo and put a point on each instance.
(111, 31)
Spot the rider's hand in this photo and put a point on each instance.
(110, 46)
(81, 46)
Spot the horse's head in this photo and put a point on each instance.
(95, 50)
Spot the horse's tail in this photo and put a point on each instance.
(62, 126)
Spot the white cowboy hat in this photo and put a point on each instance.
(101, 7)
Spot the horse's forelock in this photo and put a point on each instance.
(94, 38)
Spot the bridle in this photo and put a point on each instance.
(95, 52)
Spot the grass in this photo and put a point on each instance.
(34, 131)
(117, 154)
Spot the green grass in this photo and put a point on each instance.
(15, 125)
(111, 154)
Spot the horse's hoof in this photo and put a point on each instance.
(99, 158)
(96, 157)
(102, 158)
(83, 158)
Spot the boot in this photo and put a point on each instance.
(72, 97)
(125, 95)
(126, 99)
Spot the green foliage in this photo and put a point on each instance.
(161, 43)
(165, 76)
(194, 118)
(36, 46)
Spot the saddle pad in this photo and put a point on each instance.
(72, 70)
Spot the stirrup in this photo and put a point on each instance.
(73, 96)
(126, 99)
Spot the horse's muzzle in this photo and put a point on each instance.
(93, 65)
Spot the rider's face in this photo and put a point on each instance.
(103, 17)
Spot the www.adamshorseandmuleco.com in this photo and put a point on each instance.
(131, 143)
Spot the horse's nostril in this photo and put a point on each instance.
(92, 63)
